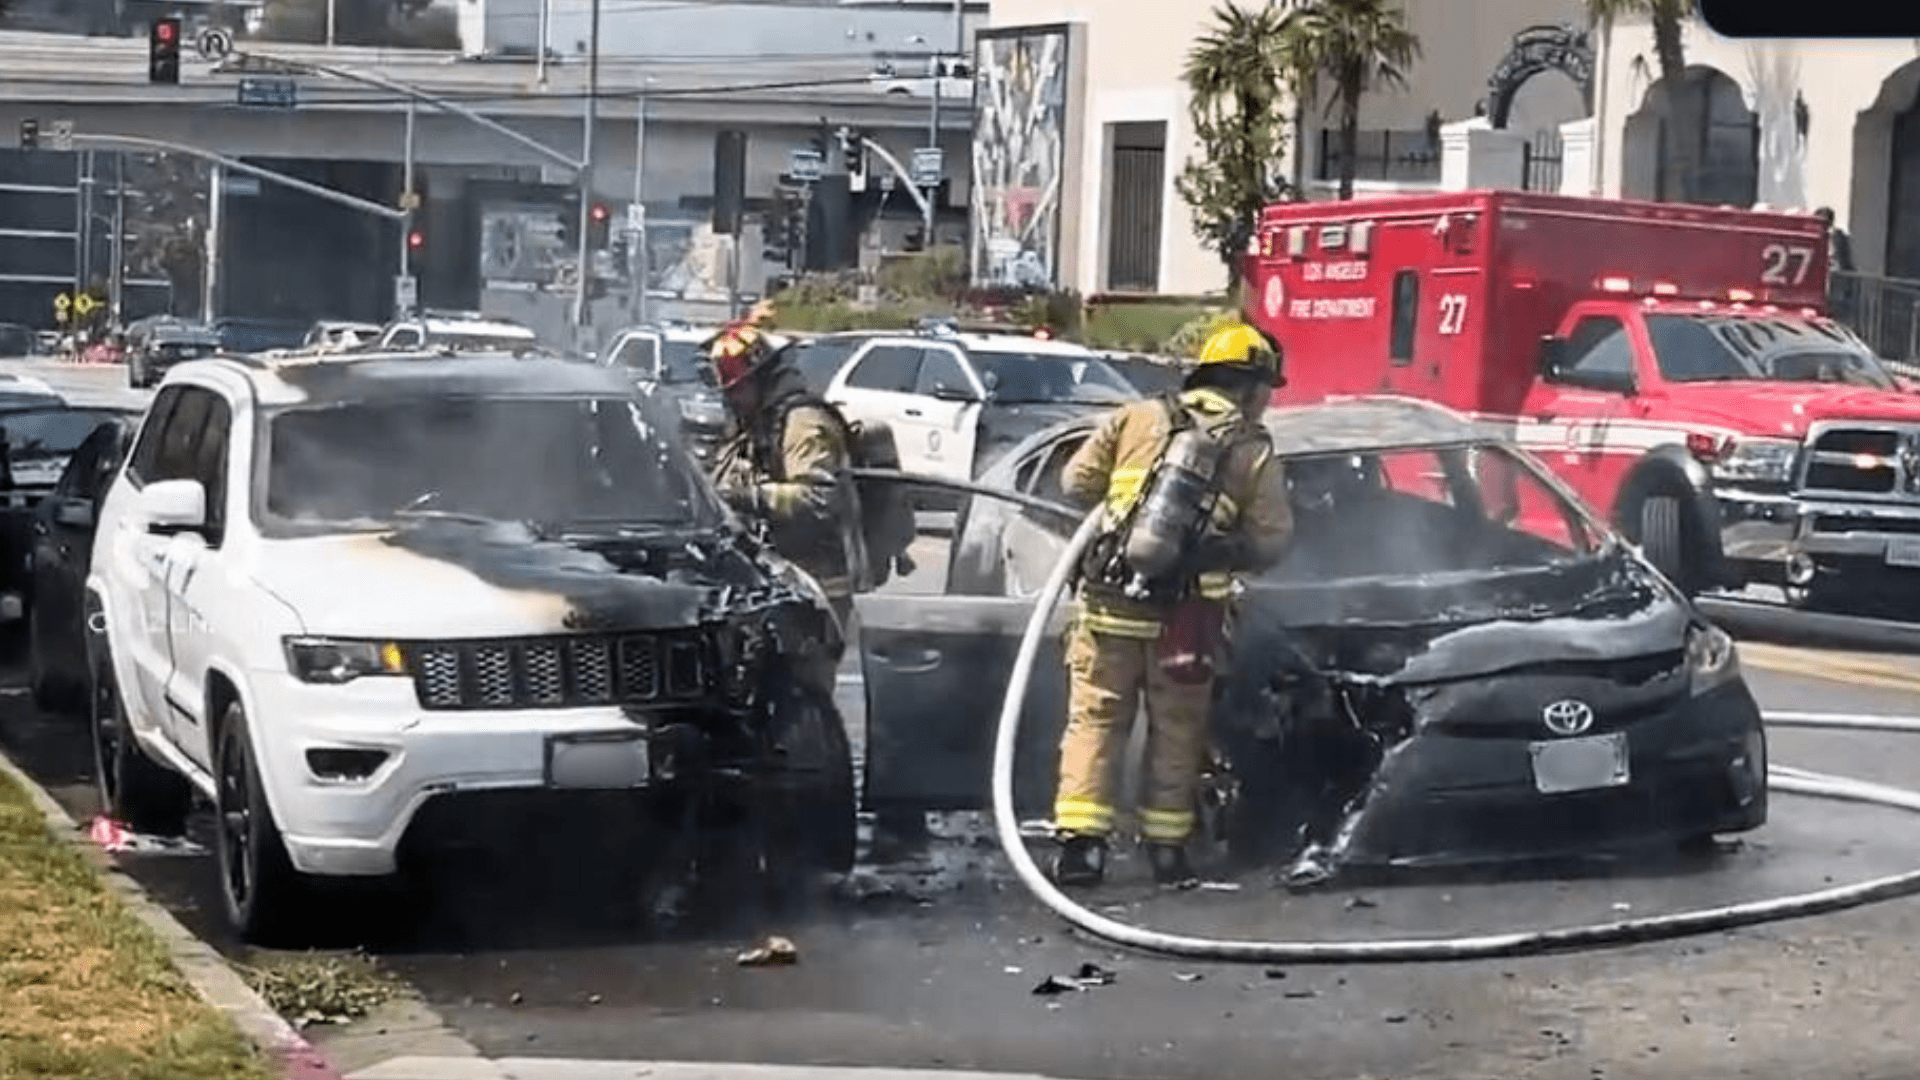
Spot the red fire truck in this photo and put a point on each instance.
(1673, 364)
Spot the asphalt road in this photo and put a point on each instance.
(932, 965)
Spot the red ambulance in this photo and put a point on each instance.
(1673, 364)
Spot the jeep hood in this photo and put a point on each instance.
(1787, 409)
(464, 582)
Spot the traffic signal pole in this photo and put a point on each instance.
(582, 307)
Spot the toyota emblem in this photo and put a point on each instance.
(1567, 717)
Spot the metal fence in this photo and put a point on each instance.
(1410, 157)
(1884, 311)
(1542, 156)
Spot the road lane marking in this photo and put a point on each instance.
(1851, 668)
(470, 1068)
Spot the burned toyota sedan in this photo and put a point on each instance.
(1455, 662)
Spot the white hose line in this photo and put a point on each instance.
(1846, 721)
(1621, 932)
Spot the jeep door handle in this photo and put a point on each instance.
(913, 412)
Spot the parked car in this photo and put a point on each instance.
(60, 556)
(950, 76)
(460, 331)
(333, 336)
(26, 392)
(37, 443)
(1151, 375)
(1456, 661)
(666, 360)
(819, 357)
(440, 598)
(17, 341)
(242, 335)
(956, 401)
(155, 345)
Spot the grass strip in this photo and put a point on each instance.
(87, 992)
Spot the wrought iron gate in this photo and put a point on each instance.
(1541, 156)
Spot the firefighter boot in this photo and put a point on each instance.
(1082, 860)
(1170, 866)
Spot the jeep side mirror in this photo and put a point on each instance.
(172, 506)
(953, 393)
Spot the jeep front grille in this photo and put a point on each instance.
(1863, 460)
(559, 672)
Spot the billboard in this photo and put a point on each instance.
(1019, 155)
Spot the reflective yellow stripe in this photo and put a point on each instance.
(1082, 816)
(783, 499)
(1123, 488)
(1215, 585)
(1207, 397)
(1106, 622)
(1166, 824)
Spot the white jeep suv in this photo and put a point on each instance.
(333, 594)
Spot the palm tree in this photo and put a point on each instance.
(1686, 114)
(1237, 81)
(1352, 46)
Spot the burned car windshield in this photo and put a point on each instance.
(1023, 378)
(1425, 514)
(1701, 348)
(557, 462)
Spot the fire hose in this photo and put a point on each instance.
(1780, 778)
(1516, 943)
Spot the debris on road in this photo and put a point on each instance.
(113, 836)
(1355, 903)
(1188, 976)
(1219, 886)
(1086, 978)
(775, 951)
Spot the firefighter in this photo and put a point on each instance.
(1152, 621)
(786, 465)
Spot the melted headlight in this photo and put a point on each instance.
(1711, 659)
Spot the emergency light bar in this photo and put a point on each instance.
(1616, 284)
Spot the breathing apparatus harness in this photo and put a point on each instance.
(1148, 554)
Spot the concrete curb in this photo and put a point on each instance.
(204, 969)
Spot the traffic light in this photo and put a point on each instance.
(29, 134)
(854, 151)
(597, 226)
(567, 224)
(163, 51)
(778, 229)
(416, 240)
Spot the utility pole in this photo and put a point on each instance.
(117, 279)
(331, 4)
(408, 200)
(540, 54)
(637, 254)
(210, 276)
(959, 27)
(83, 222)
(582, 307)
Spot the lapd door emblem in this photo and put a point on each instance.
(1567, 717)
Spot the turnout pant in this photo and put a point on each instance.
(1108, 676)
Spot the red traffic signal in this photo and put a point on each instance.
(598, 211)
(416, 240)
(163, 51)
(166, 31)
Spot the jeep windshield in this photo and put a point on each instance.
(558, 463)
(1435, 535)
(1725, 348)
(1025, 378)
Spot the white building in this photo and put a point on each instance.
(1074, 166)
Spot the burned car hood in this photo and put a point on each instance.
(1450, 627)
(440, 579)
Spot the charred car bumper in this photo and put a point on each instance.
(1694, 768)
(355, 766)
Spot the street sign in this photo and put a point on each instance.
(409, 200)
(61, 304)
(268, 93)
(406, 292)
(636, 217)
(62, 134)
(84, 304)
(214, 43)
(928, 164)
(805, 164)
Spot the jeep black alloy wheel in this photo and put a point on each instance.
(134, 790)
(263, 892)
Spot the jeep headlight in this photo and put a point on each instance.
(1711, 660)
(340, 660)
(1763, 461)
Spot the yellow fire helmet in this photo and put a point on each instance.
(1240, 344)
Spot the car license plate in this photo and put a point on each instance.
(1597, 761)
(1903, 551)
(601, 759)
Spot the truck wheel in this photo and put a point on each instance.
(1663, 538)
(265, 896)
(135, 790)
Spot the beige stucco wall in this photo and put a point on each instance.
(1134, 55)
(1852, 89)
